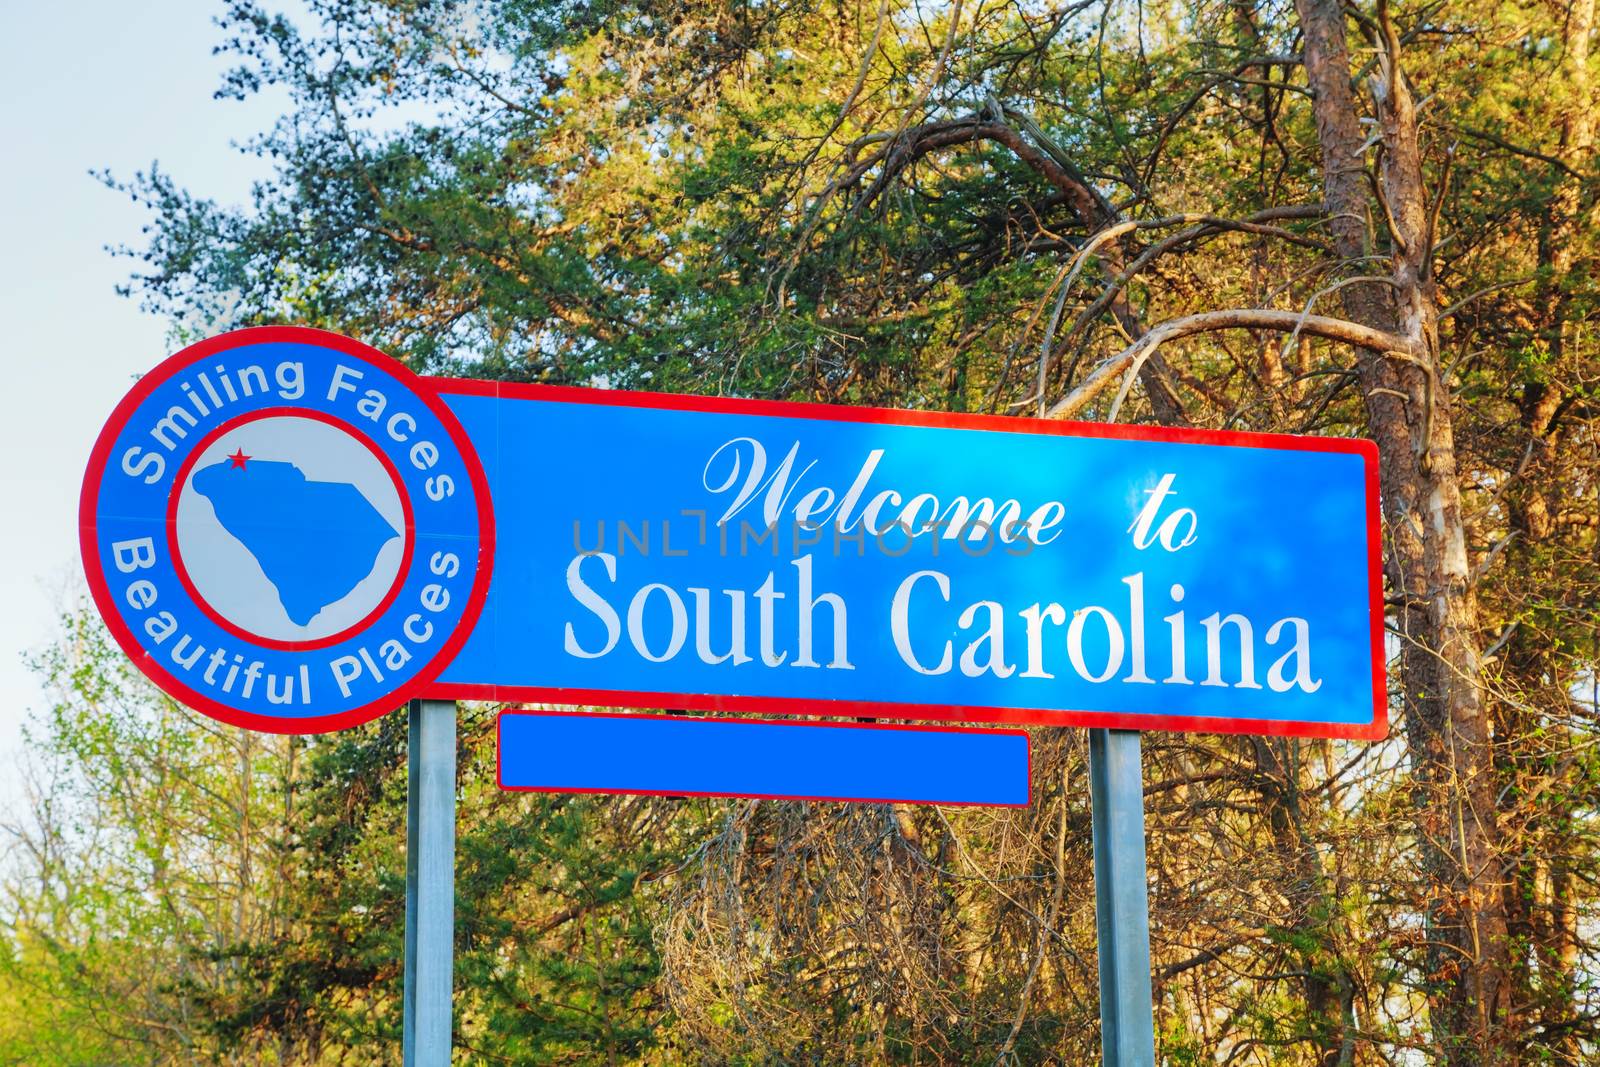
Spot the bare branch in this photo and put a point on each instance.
(1485, 291)
(1518, 150)
(1232, 319)
(1208, 226)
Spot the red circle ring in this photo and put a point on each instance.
(107, 604)
(311, 415)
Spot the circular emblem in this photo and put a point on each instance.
(287, 530)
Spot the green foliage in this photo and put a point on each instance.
(191, 891)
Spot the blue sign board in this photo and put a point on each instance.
(665, 755)
(289, 531)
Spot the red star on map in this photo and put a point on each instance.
(238, 459)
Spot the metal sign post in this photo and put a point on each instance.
(430, 882)
(1121, 899)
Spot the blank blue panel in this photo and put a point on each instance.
(683, 756)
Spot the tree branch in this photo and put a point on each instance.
(1233, 319)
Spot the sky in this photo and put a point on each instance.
(88, 85)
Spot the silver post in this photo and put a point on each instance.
(430, 882)
(1121, 899)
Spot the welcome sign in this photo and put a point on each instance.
(289, 531)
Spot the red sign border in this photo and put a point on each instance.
(1375, 730)
(432, 390)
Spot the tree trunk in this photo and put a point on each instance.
(1409, 414)
(1541, 892)
(1327, 984)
